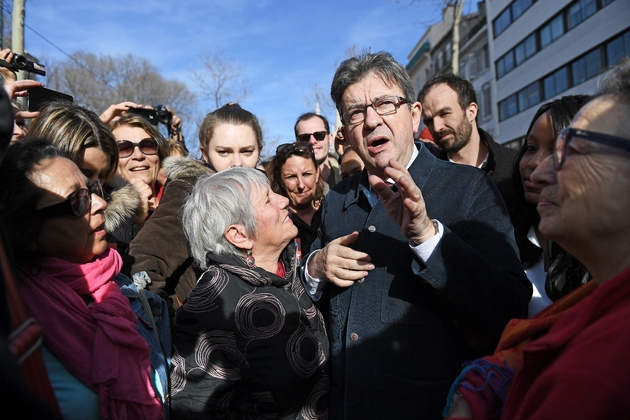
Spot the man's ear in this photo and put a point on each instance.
(416, 115)
(471, 111)
(237, 236)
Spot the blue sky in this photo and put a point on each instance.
(285, 47)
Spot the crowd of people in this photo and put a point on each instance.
(373, 272)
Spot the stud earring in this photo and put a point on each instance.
(250, 259)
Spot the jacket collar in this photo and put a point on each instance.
(257, 276)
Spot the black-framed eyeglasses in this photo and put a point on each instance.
(383, 106)
(147, 147)
(78, 203)
(568, 134)
(299, 146)
(319, 136)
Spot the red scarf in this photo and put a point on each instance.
(99, 343)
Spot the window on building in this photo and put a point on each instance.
(472, 67)
(519, 7)
(480, 104)
(486, 96)
(502, 21)
(509, 62)
(606, 2)
(551, 31)
(529, 96)
(580, 11)
(556, 83)
(525, 49)
(449, 51)
(519, 53)
(617, 49)
(586, 67)
(508, 107)
(440, 60)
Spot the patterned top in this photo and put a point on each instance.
(249, 344)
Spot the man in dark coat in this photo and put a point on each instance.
(449, 110)
(421, 276)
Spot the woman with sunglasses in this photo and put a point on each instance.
(89, 143)
(296, 176)
(101, 361)
(141, 151)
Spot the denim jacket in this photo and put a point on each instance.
(156, 331)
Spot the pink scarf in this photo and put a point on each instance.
(99, 343)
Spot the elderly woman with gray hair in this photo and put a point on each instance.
(248, 341)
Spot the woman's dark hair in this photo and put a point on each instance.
(562, 111)
(565, 272)
(19, 195)
(283, 153)
(230, 113)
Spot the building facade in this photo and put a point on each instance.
(545, 49)
(529, 52)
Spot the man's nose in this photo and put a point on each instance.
(545, 173)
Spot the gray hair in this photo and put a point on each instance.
(217, 201)
(381, 63)
(617, 83)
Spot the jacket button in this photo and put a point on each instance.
(372, 228)
(354, 336)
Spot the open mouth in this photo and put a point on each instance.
(139, 169)
(99, 230)
(377, 145)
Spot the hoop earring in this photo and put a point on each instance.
(250, 259)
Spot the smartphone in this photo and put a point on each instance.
(149, 114)
(39, 96)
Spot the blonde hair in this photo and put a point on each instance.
(73, 129)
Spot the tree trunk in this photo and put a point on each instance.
(457, 17)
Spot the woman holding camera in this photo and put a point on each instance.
(141, 151)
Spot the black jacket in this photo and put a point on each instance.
(499, 167)
(249, 344)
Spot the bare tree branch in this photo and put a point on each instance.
(221, 79)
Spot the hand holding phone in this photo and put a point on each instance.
(38, 96)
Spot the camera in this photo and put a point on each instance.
(20, 62)
(163, 115)
(149, 114)
(159, 114)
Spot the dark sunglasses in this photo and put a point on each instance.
(568, 134)
(77, 203)
(147, 147)
(299, 146)
(319, 136)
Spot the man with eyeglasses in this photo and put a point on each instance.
(449, 110)
(422, 275)
(314, 129)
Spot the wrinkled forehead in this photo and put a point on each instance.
(371, 86)
(604, 114)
